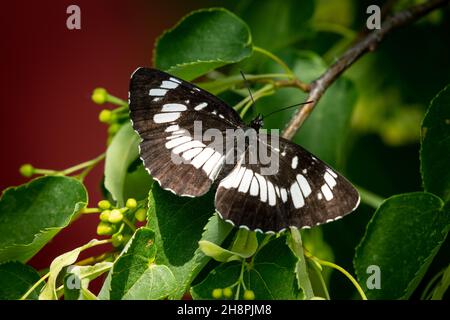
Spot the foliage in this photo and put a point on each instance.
(166, 247)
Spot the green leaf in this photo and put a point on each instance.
(435, 151)
(202, 41)
(329, 145)
(57, 265)
(301, 267)
(245, 244)
(138, 183)
(270, 276)
(217, 252)
(78, 278)
(402, 238)
(179, 224)
(16, 279)
(289, 22)
(136, 276)
(33, 213)
(122, 151)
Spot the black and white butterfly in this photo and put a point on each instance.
(303, 193)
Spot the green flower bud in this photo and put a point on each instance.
(249, 295)
(217, 293)
(117, 240)
(105, 116)
(131, 203)
(104, 229)
(104, 205)
(115, 216)
(140, 215)
(26, 170)
(227, 292)
(113, 128)
(104, 216)
(100, 95)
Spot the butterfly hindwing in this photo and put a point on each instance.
(163, 110)
(304, 192)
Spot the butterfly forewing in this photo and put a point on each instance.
(164, 110)
(304, 192)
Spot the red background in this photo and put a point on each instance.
(47, 75)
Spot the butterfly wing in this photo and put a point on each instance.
(303, 192)
(163, 110)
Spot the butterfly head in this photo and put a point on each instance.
(257, 123)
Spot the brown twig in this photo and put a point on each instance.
(364, 45)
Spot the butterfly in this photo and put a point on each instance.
(303, 192)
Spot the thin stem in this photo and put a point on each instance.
(340, 269)
(370, 198)
(120, 109)
(34, 286)
(47, 172)
(129, 224)
(114, 100)
(274, 58)
(89, 210)
(240, 281)
(83, 165)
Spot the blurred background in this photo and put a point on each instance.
(49, 72)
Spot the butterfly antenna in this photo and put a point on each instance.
(285, 108)
(247, 84)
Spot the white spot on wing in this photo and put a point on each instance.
(177, 141)
(215, 170)
(187, 146)
(284, 196)
(304, 185)
(211, 163)
(172, 128)
(327, 192)
(157, 92)
(174, 80)
(332, 173)
(201, 106)
(263, 187)
(271, 192)
(166, 117)
(200, 159)
(169, 84)
(191, 153)
(329, 180)
(254, 188)
(170, 107)
(239, 176)
(297, 198)
(246, 181)
(294, 163)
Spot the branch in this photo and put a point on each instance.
(366, 44)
